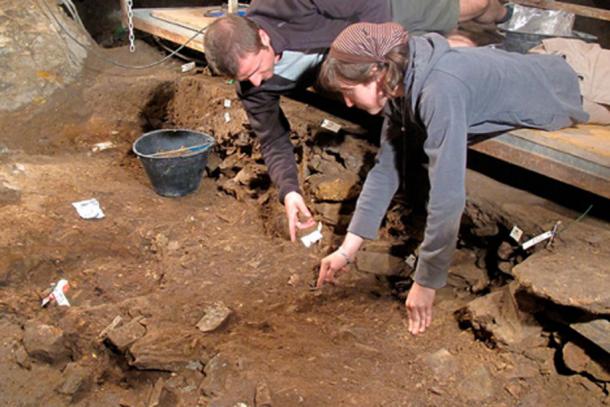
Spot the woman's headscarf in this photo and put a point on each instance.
(367, 42)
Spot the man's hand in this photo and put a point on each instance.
(419, 308)
(295, 205)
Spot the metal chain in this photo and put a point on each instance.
(132, 37)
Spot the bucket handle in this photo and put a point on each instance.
(180, 151)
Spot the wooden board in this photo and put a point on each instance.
(188, 17)
(144, 21)
(578, 156)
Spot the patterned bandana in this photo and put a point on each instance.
(367, 42)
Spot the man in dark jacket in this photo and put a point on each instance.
(278, 47)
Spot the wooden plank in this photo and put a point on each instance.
(144, 21)
(586, 141)
(584, 11)
(562, 160)
(189, 17)
(124, 20)
(597, 331)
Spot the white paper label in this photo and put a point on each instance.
(227, 117)
(330, 125)
(516, 234)
(312, 237)
(227, 103)
(89, 209)
(535, 240)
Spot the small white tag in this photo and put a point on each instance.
(227, 103)
(535, 240)
(188, 66)
(312, 237)
(411, 260)
(227, 117)
(102, 146)
(330, 125)
(516, 234)
(89, 209)
(58, 294)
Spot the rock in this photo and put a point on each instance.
(442, 363)
(463, 273)
(45, 342)
(9, 195)
(231, 165)
(575, 275)
(334, 213)
(214, 316)
(376, 258)
(217, 370)
(262, 397)
(505, 251)
(213, 163)
(477, 386)
(335, 187)
(506, 267)
(577, 360)
(22, 358)
(253, 176)
(123, 336)
(597, 331)
(77, 380)
(167, 348)
(497, 318)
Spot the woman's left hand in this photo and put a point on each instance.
(419, 308)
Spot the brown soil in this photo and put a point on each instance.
(166, 259)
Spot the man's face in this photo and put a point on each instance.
(368, 97)
(258, 67)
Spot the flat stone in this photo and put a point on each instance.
(336, 187)
(575, 274)
(442, 363)
(597, 331)
(477, 386)
(376, 258)
(123, 336)
(45, 342)
(77, 380)
(214, 316)
(497, 318)
(577, 360)
(168, 348)
(9, 194)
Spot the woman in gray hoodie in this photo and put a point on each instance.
(450, 93)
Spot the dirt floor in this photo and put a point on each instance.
(160, 261)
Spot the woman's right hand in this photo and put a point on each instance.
(330, 266)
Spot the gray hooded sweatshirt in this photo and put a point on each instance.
(451, 93)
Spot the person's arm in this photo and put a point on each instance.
(443, 112)
(381, 183)
(262, 105)
(370, 11)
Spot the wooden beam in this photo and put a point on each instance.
(124, 13)
(584, 11)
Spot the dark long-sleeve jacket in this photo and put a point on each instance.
(308, 26)
(452, 93)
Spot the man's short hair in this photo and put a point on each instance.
(229, 39)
